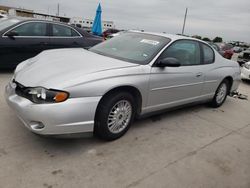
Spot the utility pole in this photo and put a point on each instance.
(58, 9)
(184, 23)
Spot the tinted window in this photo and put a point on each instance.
(31, 29)
(74, 33)
(208, 54)
(186, 51)
(63, 31)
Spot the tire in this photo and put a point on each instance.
(114, 115)
(220, 94)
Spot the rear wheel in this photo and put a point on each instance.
(114, 115)
(220, 94)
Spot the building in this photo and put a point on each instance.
(12, 11)
(88, 23)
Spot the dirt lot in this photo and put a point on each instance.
(193, 147)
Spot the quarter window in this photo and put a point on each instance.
(31, 29)
(208, 54)
(62, 31)
(186, 51)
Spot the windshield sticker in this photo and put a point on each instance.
(152, 42)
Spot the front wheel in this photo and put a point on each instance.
(114, 115)
(220, 94)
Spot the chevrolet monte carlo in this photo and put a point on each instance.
(101, 90)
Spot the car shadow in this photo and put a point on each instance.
(6, 71)
(54, 146)
(170, 113)
(247, 82)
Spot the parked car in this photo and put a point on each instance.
(245, 71)
(103, 89)
(114, 35)
(237, 49)
(109, 32)
(226, 50)
(2, 16)
(23, 39)
(244, 57)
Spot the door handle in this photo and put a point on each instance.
(199, 74)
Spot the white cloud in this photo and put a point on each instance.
(226, 18)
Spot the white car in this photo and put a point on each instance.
(3, 16)
(245, 71)
(101, 90)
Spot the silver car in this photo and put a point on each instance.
(103, 89)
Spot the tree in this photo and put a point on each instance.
(206, 39)
(217, 39)
(197, 37)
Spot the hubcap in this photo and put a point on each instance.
(119, 116)
(222, 93)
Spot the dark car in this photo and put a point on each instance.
(237, 49)
(109, 32)
(244, 57)
(226, 50)
(23, 39)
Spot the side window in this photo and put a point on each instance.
(63, 31)
(208, 54)
(74, 33)
(31, 29)
(186, 51)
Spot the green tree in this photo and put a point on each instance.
(206, 39)
(217, 39)
(197, 37)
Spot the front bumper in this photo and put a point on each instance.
(245, 74)
(75, 115)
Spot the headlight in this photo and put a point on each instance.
(247, 65)
(41, 95)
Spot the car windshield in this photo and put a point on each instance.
(136, 48)
(4, 23)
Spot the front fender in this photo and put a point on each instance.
(100, 84)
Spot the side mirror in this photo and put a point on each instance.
(169, 62)
(11, 34)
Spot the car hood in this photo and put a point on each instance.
(52, 68)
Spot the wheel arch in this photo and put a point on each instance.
(125, 88)
(230, 80)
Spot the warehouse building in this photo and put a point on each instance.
(12, 11)
(88, 23)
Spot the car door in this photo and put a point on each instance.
(173, 86)
(23, 41)
(211, 72)
(62, 36)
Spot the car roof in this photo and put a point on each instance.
(43, 20)
(23, 19)
(171, 36)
